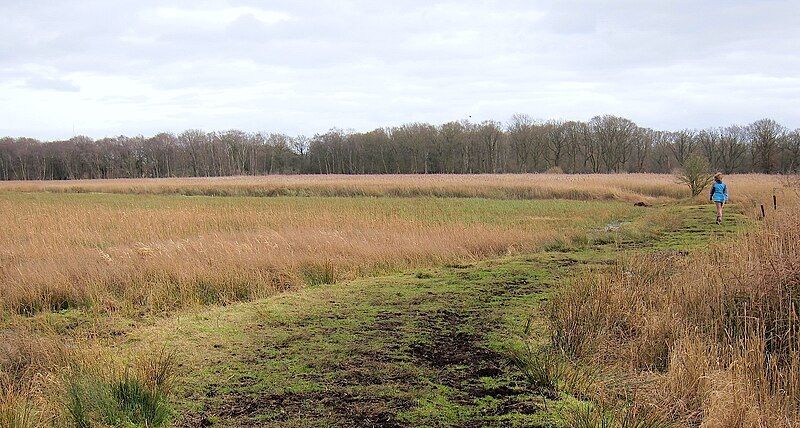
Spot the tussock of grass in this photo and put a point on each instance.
(46, 380)
(17, 411)
(125, 401)
(628, 416)
(136, 396)
(543, 369)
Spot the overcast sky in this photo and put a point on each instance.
(139, 67)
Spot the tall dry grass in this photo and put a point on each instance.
(46, 380)
(156, 253)
(627, 187)
(712, 340)
(27, 364)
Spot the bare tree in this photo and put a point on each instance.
(452, 141)
(732, 148)
(662, 159)
(491, 136)
(573, 133)
(642, 145)
(522, 141)
(615, 138)
(766, 136)
(590, 147)
(684, 144)
(709, 142)
(791, 152)
(557, 138)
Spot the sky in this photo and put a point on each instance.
(106, 68)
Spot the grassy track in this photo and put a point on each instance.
(428, 347)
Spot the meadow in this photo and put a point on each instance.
(145, 293)
(112, 252)
(495, 186)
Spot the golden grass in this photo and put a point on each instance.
(116, 257)
(156, 253)
(627, 187)
(38, 371)
(712, 340)
(143, 249)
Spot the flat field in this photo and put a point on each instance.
(112, 252)
(497, 186)
(316, 300)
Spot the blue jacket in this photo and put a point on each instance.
(719, 192)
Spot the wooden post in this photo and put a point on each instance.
(763, 214)
(774, 202)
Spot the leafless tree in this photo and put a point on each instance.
(766, 137)
(791, 152)
(557, 136)
(732, 148)
(684, 144)
(604, 144)
(522, 140)
(614, 135)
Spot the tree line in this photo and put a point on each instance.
(603, 144)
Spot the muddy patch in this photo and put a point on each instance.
(348, 410)
(389, 358)
(453, 350)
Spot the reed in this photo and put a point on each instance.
(628, 187)
(714, 339)
(158, 253)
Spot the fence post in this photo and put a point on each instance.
(763, 214)
(774, 202)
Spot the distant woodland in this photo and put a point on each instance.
(603, 144)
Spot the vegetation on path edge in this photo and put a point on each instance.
(433, 347)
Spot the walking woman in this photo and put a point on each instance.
(719, 194)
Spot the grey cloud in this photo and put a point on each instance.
(44, 83)
(365, 63)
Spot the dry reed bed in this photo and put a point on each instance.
(156, 253)
(714, 340)
(627, 187)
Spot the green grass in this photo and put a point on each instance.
(392, 342)
(427, 347)
(421, 210)
(124, 401)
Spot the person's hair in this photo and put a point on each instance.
(717, 176)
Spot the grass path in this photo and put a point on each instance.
(430, 347)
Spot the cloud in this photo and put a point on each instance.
(303, 66)
(211, 18)
(48, 84)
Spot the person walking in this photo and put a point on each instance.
(719, 195)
